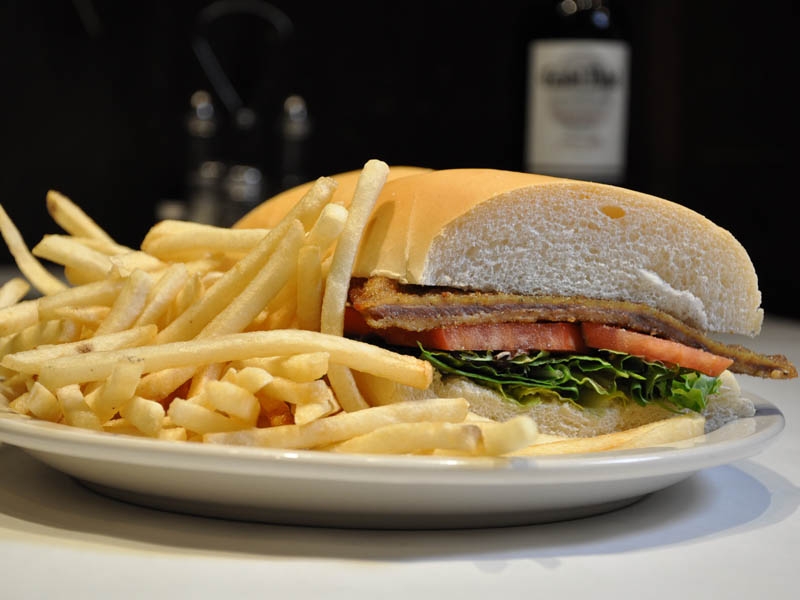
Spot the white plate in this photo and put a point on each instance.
(317, 488)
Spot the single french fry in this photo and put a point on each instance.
(76, 412)
(273, 412)
(172, 434)
(160, 383)
(209, 278)
(503, 438)
(225, 348)
(99, 293)
(310, 287)
(115, 391)
(146, 415)
(107, 247)
(297, 367)
(188, 295)
(85, 315)
(29, 361)
(414, 438)
(294, 392)
(328, 227)
(345, 388)
(43, 404)
(384, 390)
(286, 298)
(129, 304)
(163, 294)
(12, 291)
(72, 218)
(189, 241)
(42, 333)
(369, 186)
(199, 419)
(666, 431)
(309, 207)
(122, 426)
(233, 400)
(90, 264)
(19, 403)
(673, 429)
(202, 376)
(168, 227)
(345, 425)
(15, 385)
(39, 277)
(18, 316)
(323, 407)
(337, 282)
(127, 262)
(252, 379)
(208, 265)
(283, 316)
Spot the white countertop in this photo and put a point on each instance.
(727, 532)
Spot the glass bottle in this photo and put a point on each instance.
(577, 92)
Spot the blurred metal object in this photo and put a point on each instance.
(243, 185)
(205, 192)
(295, 131)
(201, 121)
(243, 189)
(203, 170)
(209, 62)
(201, 127)
(169, 209)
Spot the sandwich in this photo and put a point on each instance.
(590, 307)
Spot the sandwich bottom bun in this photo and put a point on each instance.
(563, 419)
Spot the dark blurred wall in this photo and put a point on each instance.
(94, 94)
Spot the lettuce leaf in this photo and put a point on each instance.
(585, 379)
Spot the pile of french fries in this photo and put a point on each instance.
(216, 335)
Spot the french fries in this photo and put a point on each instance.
(39, 277)
(651, 434)
(12, 291)
(72, 219)
(224, 336)
(337, 284)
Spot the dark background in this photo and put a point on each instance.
(94, 95)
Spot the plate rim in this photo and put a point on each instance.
(42, 437)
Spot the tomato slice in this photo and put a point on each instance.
(555, 337)
(652, 348)
(354, 323)
(496, 336)
(565, 337)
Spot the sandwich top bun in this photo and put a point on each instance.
(268, 213)
(521, 233)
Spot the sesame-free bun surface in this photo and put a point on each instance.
(270, 212)
(493, 230)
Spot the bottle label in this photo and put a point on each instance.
(577, 108)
